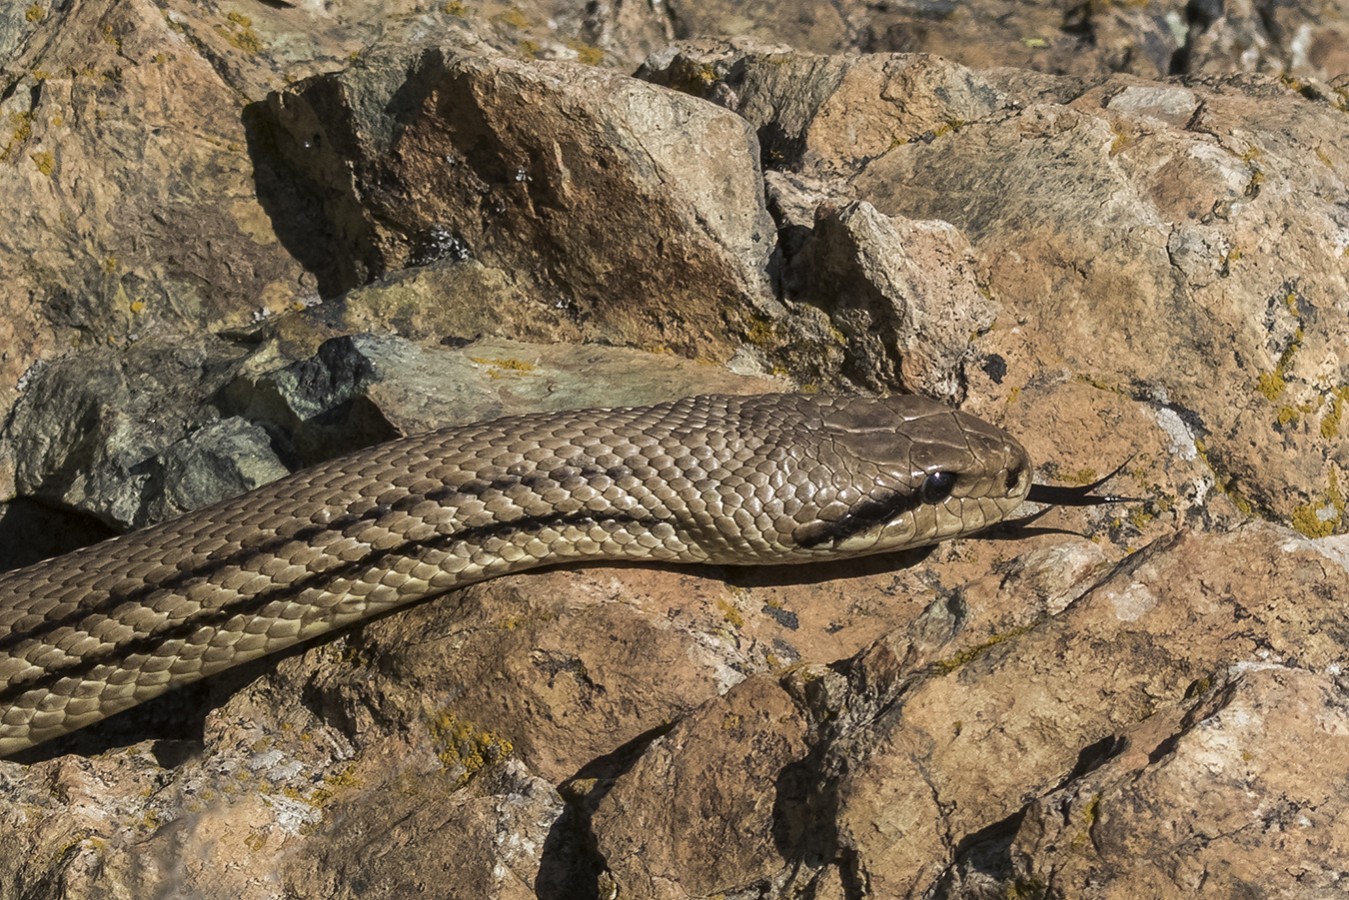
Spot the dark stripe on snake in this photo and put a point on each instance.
(253, 604)
(864, 515)
(239, 560)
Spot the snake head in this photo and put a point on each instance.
(907, 472)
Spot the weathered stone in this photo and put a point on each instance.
(828, 114)
(1095, 219)
(143, 190)
(1225, 795)
(723, 836)
(1307, 40)
(88, 430)
(1022, 713)
(122, 225)
(487, 839)
(916, 757)
(905, 294)
(1151, 39)
(217, 461)
(529, 168)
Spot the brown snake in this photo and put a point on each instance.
(777, 478)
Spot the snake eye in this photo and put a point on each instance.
(938, 486)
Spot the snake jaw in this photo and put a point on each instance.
(865, 516)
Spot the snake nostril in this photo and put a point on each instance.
(1014, 477)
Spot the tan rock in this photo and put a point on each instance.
(925, 750)
(1019, 713)
(828, 114)
(529, 168)
(426, 832)
(1224, 795)
(905, 294)
(1132, 203)
(1152, 39)
(724, 775)
(123, 160)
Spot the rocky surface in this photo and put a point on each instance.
(247, 237)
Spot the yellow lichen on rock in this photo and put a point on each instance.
(464, 749)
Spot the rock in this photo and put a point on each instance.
(89, 430)
(1115, 265)
(677, 179)
(124, 226)
(1239, 820)
(973, 746)
(144, 190)
(828, 114)
(1151, 39)
(723, 836)
(1142, 38)
(810, 25)
(487, 838)
(905, 295)
(216, 461)
(1113, 211)
(1302, 42)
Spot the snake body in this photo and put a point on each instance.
(778, 478)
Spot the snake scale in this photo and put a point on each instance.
(768, 479)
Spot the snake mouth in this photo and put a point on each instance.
(1051, 496)
(1079, 496)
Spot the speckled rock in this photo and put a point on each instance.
(1124, 700)
(528, 168)
(966, 753)
(905, 294)
(1097, 214)
(1241, 821)
(91, 432)
(133, 437)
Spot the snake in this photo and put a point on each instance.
(769, 479)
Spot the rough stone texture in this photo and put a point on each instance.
(133, 437)
(90, 431)
(905, 294)
(97, 250)
(1151, 38)
(1194, 765)
(1111, 267)
(527, 168)
(828, 114)
(1146, 38)
(142, 187)
(910, 767)
(739, 752)
(214, 462)
(1208, 206)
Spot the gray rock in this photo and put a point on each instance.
(360, 389)
(88, 430)
(214, 462)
